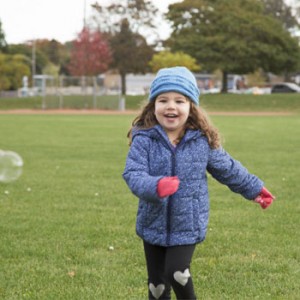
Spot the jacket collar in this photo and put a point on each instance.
(157, 132)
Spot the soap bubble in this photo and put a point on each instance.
(11, 165)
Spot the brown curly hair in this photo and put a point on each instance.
(198, 119)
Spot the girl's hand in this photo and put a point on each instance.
(167, 186)
(265, 198)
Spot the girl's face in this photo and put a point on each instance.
(172, 111)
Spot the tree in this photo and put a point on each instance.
(233, 36)
(51, 69)
(41, 59)
(12, 70)
(90, 54)
(131, 53)
(58, 55)
(165, 59)
(140, 15)
(125, 22)
(49, 54)
(279, 10)
(53, 49)
(65, 60)
(3, 44)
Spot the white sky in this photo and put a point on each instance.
(24, 20)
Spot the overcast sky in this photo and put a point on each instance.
(24, 20)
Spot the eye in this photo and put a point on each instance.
(161, 100)
(180, 101)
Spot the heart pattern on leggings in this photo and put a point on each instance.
(156, 291)
(182, 278)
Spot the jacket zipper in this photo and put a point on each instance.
(173, 173)
(170, 199)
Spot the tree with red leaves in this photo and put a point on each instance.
(90, 54)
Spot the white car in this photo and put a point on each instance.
(285, 87)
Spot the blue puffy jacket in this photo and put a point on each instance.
(181, 218)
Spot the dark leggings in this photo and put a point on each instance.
(169, 267)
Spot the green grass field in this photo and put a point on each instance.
(59, 219)
(216, 102)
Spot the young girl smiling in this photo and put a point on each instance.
(172, 147)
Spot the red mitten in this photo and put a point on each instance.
(167, 186)
(265, 198)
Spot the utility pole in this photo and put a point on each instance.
(84, 14)
(33, 61)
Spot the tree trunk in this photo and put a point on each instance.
(224, 82)
(287, 76)
(123, 83)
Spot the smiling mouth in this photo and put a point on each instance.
(171, 116)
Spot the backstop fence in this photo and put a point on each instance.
(66, 92)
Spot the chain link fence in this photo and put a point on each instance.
(66, 92)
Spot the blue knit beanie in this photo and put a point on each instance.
(176, 79)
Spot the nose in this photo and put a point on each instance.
(171, 105)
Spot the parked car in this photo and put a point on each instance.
(285, 87)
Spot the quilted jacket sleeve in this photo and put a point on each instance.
(231, 173)
(136, 173)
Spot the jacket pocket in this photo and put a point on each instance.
(200, 215)
(154, 216)
(182, 219)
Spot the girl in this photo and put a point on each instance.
(173, 145)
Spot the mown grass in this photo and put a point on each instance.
(56, 102)
(215, 102)
(59, 219)
(236, 102)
